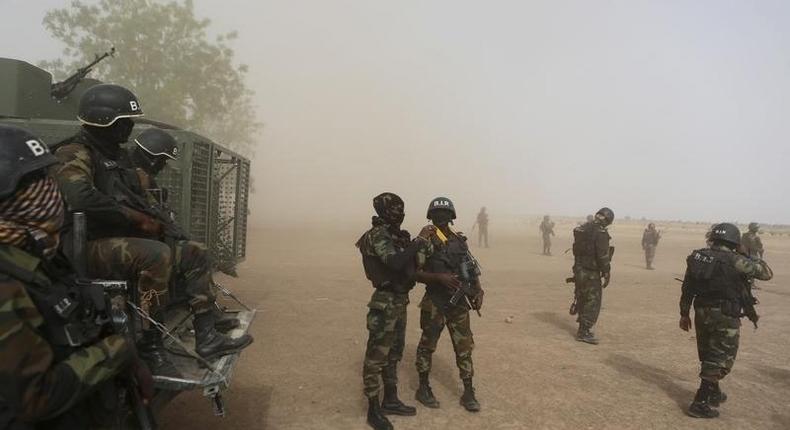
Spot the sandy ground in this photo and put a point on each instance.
(303, 371)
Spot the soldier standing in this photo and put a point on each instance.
(751, 242)
(46, 376)
(547, 230)
(592, 263)
(716, 283)
(438, 268)
(650, 239)
(482, 227)
(388, 257)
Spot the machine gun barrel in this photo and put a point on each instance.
(63, 88)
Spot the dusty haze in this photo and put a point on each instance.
(669, 110)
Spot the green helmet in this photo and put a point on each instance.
(441, 203)
(754, 227)
(607, 214)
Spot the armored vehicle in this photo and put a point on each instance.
(208, 189)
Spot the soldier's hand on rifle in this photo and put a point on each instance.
(606, 278)
(449, 280)
(685, 323)
(477, 300)
(427, 232)
(144, 223)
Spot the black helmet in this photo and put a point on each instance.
(726, 232)
(607, 214)
(157, 143)
(21, 153)
(754, 227)
(101, 105)
(441, 203)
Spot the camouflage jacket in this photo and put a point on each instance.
(731, 272)
(650, 238)
(752, 245)
(547, 228)
(443, 257)
(388, 257)
(37, 382)
(88, 179)
(591, 248)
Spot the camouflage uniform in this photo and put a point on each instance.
(717, 325)
(386, 319)
(650, 239)
(482, 231)
(436, 311)
(547, 230)
(592, 260)
(752, 244)
(44, 383)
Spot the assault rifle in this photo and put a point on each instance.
(469, 275)
(171, 229)
(573, 310)
(60, 90)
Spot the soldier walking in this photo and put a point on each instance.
(388, 257)
(650, 239)
(547, 230)
(751, 242)
(716, 283)
(482, 227)
(438, 268)
(592, 264)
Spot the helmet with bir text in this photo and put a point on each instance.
(725, 232)
(21, 153)
(101, 105)
(441, 203)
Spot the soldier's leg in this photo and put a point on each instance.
(432, 324)
(458, 325)
(193, 277)
(717, 346)
(589, 298)
(391, 404)
(382, 322)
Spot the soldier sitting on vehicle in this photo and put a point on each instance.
(124, 242)
(52, 358)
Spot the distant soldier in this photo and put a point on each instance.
(439, 266)
(592, 264)
(650, 239)
(752, 245)
(482, 227)
(716, 283)
(547, 230)
(388, 257)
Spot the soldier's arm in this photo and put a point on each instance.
(385, 249)
(75, 177)
(686, 296)
(757, 269)
(33, 385)
(602, 251)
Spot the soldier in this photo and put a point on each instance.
(592, 258)
(752, 245)
(438, 268)
(388, 257)
(716, 284)
(547, 230)
(482, 230)
(650, 239)
(47, 375)
(96, 178)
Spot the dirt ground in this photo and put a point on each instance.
(303, 371)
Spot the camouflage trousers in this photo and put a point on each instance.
(432, 323)
(589, 294)
(386, 322)
(717, 342)
(650, 254)
(144, 263)
(546, 244)
(192, 274)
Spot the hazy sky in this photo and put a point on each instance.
(664, 109)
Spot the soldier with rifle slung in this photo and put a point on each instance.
(446, 303)
(124, 241)
(717, 284)
(57, 363)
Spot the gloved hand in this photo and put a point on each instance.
(606, 278)
(146, 224)
(685, 323)
(477, 301)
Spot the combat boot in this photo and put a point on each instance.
(585, 335)
(211, 344)
(152, 350)
(424, 393)
(701, 407)
(223, 321)
(717, 397)
(376, 419)
(468, 399)
(391, 405)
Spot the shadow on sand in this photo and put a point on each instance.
(652, 375)
(557, 320)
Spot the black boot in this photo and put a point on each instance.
(152, 351)
(391, 405)
(376, 419)
(700, 407)
(717, 397)
(210, 344)
(585, 335)
(468, 399)
(223, 321)
(424, 393)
